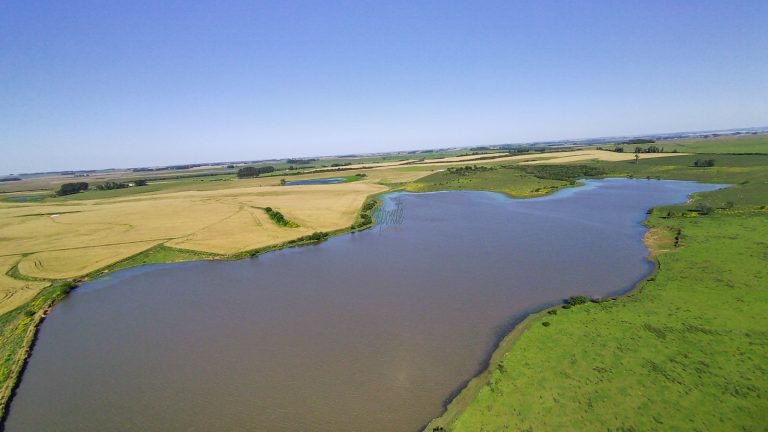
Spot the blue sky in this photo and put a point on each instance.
(95, 84)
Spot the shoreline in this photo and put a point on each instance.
(9, 391)
(458, 402)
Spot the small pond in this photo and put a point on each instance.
(316, 181)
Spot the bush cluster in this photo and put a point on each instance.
(704, 163)
(365, 215)
(564, 172)
(277, 217)
(577, 300)
(315, 236)
(467, 170)
(249, 172)
(72, 188)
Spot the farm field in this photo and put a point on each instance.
(15, 292)
(66, 240)
(565, 156)
(718, 145)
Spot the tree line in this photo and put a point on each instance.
(278, 218)
(77, 187)
(300, 161)
(568, 173)
(250, 172)
(649, 149)
(469, 169)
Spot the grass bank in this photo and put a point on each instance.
(686, 350)
(18, 329)
(513, 180)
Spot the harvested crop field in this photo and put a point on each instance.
(466, 158)
(15, 292)
(566, 157)
(70, 263)
(74, 238)
(582, 155)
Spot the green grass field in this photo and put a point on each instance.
(687, 351)
(509, 180)
(743, 144)
(160, 254)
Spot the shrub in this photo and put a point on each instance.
(111, 186)
(704, 163)
(552, 312)
(546, 323)
(578, 300)
(278, 217)
(368, 206)
(703, 209)
(72, 188)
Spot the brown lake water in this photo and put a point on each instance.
(370, 331)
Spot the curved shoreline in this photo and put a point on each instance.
(459, 401)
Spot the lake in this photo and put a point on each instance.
(366, 331)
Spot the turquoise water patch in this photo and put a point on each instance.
(24, 198)
(316, 181)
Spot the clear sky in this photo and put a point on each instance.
(97, 84)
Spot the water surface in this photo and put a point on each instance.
(315, 181)
(369, 331)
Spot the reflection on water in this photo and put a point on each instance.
(368, 331)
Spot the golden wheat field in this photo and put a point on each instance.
(69, 263)
(73, 238)
(582, 155)
(15, 292)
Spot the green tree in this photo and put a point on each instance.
(250, 172)
(72, 188)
